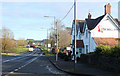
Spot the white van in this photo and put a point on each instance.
(31, 49)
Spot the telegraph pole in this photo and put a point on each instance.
(75, 30)
(47, 39)
(57, 42)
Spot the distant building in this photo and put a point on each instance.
(38, 42)
(30, 40)
(92, 32)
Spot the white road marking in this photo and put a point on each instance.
(18, 57)
(16, 70)
(22, 66)
(52, 71)
(11, 59)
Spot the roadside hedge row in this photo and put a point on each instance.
(106, 50)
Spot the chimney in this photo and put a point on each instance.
(108, 8)
(89, 16)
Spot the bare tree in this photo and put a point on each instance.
(8, 42)
(63, 34)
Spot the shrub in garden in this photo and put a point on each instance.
(115, 51)
(66, 58)
(108, 50)
(99, 49)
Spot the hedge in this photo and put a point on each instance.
(106, 50)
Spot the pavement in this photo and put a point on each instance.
(79, 68)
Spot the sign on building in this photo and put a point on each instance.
(49, 45)
(68, 48)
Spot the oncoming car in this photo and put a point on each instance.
(31, 49)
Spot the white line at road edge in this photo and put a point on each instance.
(11, 59)
(22, 66)
(17, 58)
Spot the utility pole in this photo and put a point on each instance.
(47, 39)
(75, 30)
(57, 42)
(54, 21)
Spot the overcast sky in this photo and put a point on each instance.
(26, 19)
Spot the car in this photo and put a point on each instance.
(31, 49)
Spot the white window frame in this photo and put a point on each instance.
(86, 49)
(86, 33)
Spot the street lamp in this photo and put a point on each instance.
(54, 19)
(57, 35)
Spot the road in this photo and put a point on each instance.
(29, 64)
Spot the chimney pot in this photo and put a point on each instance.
(89, 16)
(108, 8)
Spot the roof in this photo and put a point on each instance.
(92, 23)
(79, 43)
(107, 41)
(117, 21)
(77, 21)
(81, 25)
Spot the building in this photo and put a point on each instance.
(92, 32)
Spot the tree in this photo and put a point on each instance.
(30, 42)
(8, 42)
(63, 35)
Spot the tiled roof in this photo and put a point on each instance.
(117, 21)
(81, 25)
(77, 21)
(107, 41)
(92, 23)
(79, 43)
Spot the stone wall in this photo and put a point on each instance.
(107, 62)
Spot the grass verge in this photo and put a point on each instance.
(16, 51)
(20, 50)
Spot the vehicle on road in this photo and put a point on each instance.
(31, 49)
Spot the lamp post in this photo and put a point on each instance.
(55, 23)
(54, 19)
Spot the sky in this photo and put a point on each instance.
(26, 19)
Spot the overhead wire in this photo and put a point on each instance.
(67, 13)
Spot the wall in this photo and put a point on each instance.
(88, 41)
(106, 28)
(106, 62)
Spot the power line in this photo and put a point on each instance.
(67, 13)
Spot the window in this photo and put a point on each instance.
(86, 48)
(80, 50)
(86, 33)
(79, 36)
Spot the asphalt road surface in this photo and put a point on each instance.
(29, 64)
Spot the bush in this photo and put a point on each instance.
(99, 49)
(108, 50)
(66, 58)
(115, 51)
